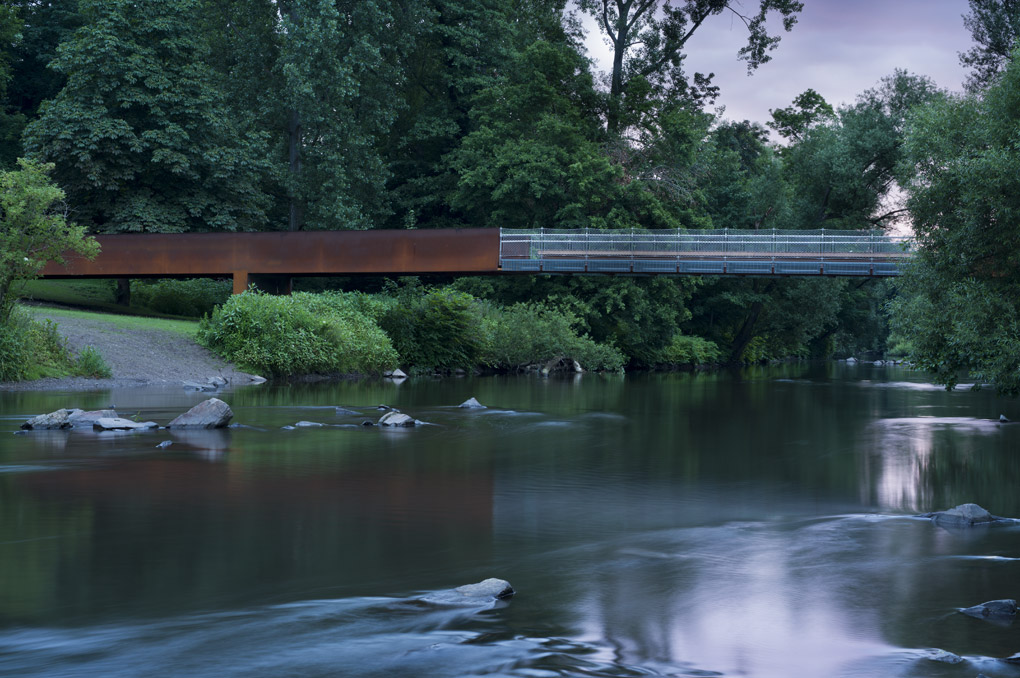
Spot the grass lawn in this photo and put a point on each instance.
(128, 322)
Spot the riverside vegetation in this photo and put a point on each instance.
(227, 115)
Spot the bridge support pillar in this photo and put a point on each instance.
(240, 281)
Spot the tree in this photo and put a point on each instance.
(649, 39)
(140, 133)
(809, 109)
(33, 229)
(44, 26)
(10, 123)
(960, 302)
(842, 171)
(994, 25)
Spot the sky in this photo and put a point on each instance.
(839, 48)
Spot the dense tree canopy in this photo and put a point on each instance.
(961, 309)
(995, 26)
(184, 115)
(140, 134)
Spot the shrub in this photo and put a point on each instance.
(437, 329)
(686, 350)
(15, 353)
(525, 334)
(91, 364)
(191, 298)
(31, 349)
(299, 334)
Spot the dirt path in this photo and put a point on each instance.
(136, 357)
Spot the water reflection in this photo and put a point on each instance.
(753, 523)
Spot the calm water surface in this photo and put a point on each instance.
(748, 524)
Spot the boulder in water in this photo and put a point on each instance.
(119, 424)
(483, 594)
(964, 515)
(472, 404)
(88, 419)
(308, 424)
(398, 419)
(489, 588)
(993, 609)
(944, 657)
(57, 419)
(212, 413)
(1003, 419)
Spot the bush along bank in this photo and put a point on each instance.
(30, 349)
(423, 331)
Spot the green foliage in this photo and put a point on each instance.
(140, 133)
(190, 298)
(995, 26)
(90, 363)
(295, 335)
(809, 108)
(526, 334)
(33, 229)
(30, 349)
(434, 329)
(650, 40)
(960, 307)
(687, 350)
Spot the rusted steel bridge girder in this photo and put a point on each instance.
(247, 256)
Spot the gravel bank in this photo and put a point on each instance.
(136, 358)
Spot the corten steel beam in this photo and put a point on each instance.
(287, 253)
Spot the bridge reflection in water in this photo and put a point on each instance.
(704, 252)
(274, 257)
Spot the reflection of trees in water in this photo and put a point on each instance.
(791, 598)
(41, 542)
(922, 464)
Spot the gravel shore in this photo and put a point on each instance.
(136, 358)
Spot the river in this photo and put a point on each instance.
(759, 523)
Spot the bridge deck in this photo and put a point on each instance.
(487, 251)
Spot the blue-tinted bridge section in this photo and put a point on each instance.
(703, 252)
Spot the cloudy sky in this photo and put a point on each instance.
(838, 47)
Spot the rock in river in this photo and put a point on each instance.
(472, 404)
(58, 419)
(489, 588)
(88, 419)
(118, 424)
(964, 515)
(396, 419)
(212, 413)
(484, 593)
(993, 609)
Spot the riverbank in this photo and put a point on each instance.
(138, 353)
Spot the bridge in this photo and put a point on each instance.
(267, 258)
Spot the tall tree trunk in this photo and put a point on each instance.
(746, 332)
(613, 114)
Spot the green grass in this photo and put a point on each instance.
(89, 294)
(187, 328)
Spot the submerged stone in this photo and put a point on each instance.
(944, 657)
(308, 424)
(489, 588)
(964, 515)
(119, 424)
(993, 609)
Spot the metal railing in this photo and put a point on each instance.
(718, 251)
